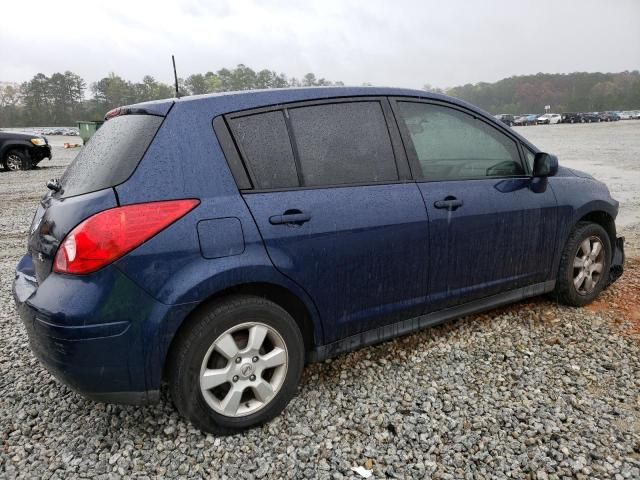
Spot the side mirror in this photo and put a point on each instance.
(545, 165)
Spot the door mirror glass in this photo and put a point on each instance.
(545, 165)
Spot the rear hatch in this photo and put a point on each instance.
(86, 187)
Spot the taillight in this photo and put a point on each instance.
(108, 235)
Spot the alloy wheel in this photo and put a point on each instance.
(14, 162)
(588, 265)
(244, 369)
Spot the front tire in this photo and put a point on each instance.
(16, 160)
(236, 365)
(584, 265)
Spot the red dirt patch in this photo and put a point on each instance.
(621, 300)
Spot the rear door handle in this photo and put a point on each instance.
(297, 218)
(450, 203)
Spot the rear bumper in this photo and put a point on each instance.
(89, 333)
(617, 263)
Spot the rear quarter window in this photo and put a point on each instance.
(112, 154)
(264, 143)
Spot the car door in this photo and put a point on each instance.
(489, 231)
(333, 199)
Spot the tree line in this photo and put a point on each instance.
(64, 98)
(573, 92)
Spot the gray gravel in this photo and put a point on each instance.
(534, 390)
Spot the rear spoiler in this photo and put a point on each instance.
(118, 112)
(156, 108)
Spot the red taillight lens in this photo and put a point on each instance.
(108, 235)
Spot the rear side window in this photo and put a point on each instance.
(265, 145)
(343, 143)
(112, 154)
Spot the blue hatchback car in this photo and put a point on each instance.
(219, 242)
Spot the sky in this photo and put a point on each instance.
(402, 43)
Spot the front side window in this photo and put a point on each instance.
(453, 145)
(343, 143)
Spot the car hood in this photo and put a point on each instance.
(19, 135)
(572, 172)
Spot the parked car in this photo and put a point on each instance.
(590, 117)
(548, 119)
(626, 115)
(609, 116)
(571, 118)
(506, 118)
(526, 119)
(22, 151)
(306, 223)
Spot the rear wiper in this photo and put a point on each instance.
(54, 184)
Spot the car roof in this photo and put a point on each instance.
(246, 99)
(226, 102)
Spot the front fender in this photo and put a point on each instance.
(577, 197)
(14, 144)
(609, 206)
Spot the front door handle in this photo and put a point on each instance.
(449, 203)
(296, 217)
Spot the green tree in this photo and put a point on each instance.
(10, 112)
(112, 91)
(60, 99)
(151, 89)
(198, 84)
(66, 94)
(36, 100)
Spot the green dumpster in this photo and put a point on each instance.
(88, 128)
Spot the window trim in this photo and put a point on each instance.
(230, 151)
(412, 155)
(403, 169)
(523, 153)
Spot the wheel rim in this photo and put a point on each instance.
(14, 162)
(244, 369)
(588, 265)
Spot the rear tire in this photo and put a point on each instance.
(16, 160)
(584, 266)
(220, 368)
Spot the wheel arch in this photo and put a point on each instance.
(605, 220)
(5, 148)
(273, 292)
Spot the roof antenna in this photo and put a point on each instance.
(175, 76)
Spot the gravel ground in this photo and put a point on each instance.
(533, 390)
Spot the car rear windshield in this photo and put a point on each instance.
(111, 155)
